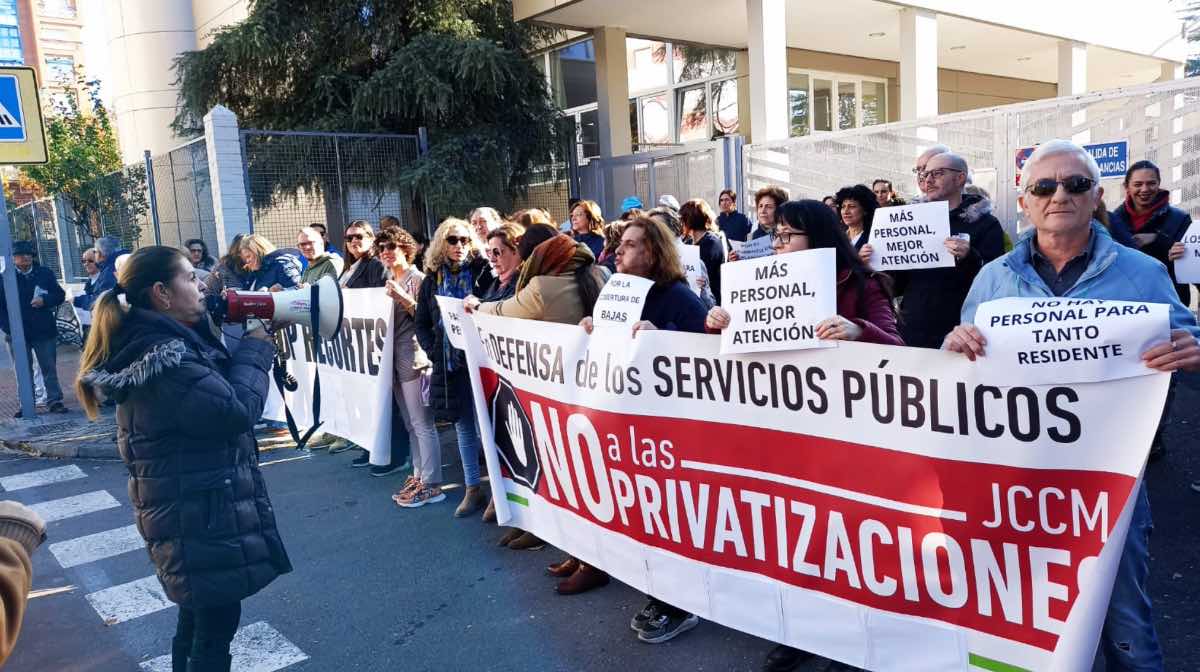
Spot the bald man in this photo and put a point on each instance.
(922, 165)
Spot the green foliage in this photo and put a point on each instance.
(85, 169)
(456, 67)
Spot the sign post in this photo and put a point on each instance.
(22, 141)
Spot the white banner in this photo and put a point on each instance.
(452, 319)
(689, 256)
(1042, 341)
(776, 303)
(621, 301)
(1187, 269)
(878, 505)
(356, 374)
(910, 236)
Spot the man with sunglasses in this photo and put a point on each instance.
(931, 298)
(1069, 254)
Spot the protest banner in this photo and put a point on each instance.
(689, 256)
(755, 249)
(452, 319)
(621, 301)
(356, 374)
(910, 236)
(1057, 340)
(776, 303)
(879, 505)
(1187, 269)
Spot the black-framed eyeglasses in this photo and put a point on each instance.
(938, 173)
(785, 237)
(1075, 184)
(458, 240)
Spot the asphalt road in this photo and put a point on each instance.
(379, 588)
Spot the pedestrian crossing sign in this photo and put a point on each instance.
(22, 138)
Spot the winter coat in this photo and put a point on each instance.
(370, 273)
(871, 309)
(281, 267)
(594, 241)
(324, 265)
(1115, 273)
(39, 323)
(548, 298)
(735, 225)
(185, 428)
(449, 390)
(88, 298)
(1168, 224)
(673, 306)
(106, 277)
(933, 297)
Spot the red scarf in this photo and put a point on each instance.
(1137, 220)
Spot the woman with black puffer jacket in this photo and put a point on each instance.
(186, 409)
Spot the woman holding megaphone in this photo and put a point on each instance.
(186, 409)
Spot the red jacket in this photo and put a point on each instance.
(872, 311)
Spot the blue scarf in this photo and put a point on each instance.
(455, 284)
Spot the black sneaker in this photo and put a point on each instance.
(363, 460)
(647, 614)
(385, 469)
(58, 407)
(664, 628)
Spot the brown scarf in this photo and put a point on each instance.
(556, 256)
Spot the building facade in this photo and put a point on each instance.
(637, 75)
(47, 36)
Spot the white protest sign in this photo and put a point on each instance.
(621, 301)
(910, 236)
(776, 303)
(452, 319)
(1187, 269)
(756, 249)
(689, 256)
(736, 245)
(1064, 341)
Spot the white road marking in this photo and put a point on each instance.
(33, 479)
(256, 648)
(129, 600)
(77, 505)
(852, 495)
(93, 547)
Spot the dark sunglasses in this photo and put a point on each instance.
(355, 236)
(494, 252)
(1075, 184)
(456, 240)
(386, 247)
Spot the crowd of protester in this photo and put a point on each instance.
(527, 266)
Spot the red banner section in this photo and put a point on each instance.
(992, 548)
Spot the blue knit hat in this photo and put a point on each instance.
(630, 203)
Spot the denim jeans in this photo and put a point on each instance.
(204, 635)
(46, 353)
(1128, 639)
(469, 445)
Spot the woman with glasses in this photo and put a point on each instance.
(362, 269)
(587, 226)
(452, 268)
(395, 249)
(198, 254)
(501, 251)
(864, 297)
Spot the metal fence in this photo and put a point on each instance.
(695, 170)
(182, 204)
(294, 179)
(1160, 122)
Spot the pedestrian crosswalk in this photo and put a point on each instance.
(257, 647)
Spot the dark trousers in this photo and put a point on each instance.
(47, 352)
(203, 636)
(401, 442)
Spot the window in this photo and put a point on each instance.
(61, 9)
(60, 69)
(8, 12)
(656, 119)
(696, 63)
(589, 133)
(693, 114)
(725, 108)
(647, 63)
(819, 102)
(57, 35)
(573, 75)
(10, 46)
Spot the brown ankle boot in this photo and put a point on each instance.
(526, 542)
(509, 536)
(584, 579)
(489, 514)
(565, 568)
(471, 501)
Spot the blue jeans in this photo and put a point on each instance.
(1128, 639)
(469, 445)
(47, 354)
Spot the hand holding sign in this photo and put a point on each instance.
(912, 236)
(621, 301)
(776, 303)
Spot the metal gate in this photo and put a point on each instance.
(1160, 122)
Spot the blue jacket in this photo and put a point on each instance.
(107, 279)
(1168, 224)
(674, 307)
(1115, 272)
(281, 267)
(39, 323)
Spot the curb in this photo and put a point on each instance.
(68, 436)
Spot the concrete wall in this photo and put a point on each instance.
(212, 15)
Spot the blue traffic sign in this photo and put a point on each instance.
(1112, 157)
(12, 118)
